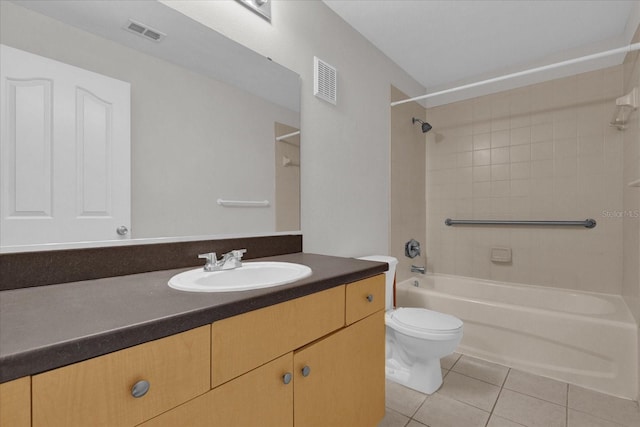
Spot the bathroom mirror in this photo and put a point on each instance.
(212, 122)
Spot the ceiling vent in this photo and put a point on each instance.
(325, 81)
(144, 31)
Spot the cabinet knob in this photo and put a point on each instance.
(370, 297)
(140, 388)
(306, 371)
(122, 230)
(286, 378)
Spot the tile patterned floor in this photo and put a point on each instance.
(476, 393)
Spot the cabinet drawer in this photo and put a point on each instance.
(257, 398)
(15, 403)
(246, 341)
(98, 392)
(364, 297)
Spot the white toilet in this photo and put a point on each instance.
(416, 339)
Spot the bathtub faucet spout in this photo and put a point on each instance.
(416, 269)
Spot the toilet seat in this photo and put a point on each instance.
(423, 323)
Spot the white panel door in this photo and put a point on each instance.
(65, 152)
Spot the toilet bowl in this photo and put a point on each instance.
(416, 339)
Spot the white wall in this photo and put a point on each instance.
(345, 151)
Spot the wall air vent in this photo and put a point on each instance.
(144, 31)
(325, 81)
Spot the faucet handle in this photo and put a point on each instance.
(238, 253)
(211, 257)
(212, 260)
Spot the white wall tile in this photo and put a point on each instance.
(481, 141)
(500, 172)
(500, 138)
(542, 150)
(521, 135)
(481, 173)
(499, 155)
(541, 132)
(520, 170)
(482, 157)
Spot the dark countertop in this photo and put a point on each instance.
(47, 327)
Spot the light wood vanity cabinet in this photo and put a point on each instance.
(98, 391)
(328, 373)
(317, 360)
(15, 403)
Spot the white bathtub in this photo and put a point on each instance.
(587, 339)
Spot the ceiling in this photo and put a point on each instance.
(445, 43)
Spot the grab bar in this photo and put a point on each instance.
(244, 203)
(289, 135)
(588, 223)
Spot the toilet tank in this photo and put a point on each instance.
(390, 276)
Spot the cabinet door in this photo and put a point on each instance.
(259, 398)
(272, 331)
(99, 391)
(344, 385)
(15, 403)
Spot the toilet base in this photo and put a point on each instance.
(425, 377)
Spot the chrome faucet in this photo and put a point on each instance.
(229, 261)
(416, 269)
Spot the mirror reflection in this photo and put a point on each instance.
(209, 122)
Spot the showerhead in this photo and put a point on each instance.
(426, 127)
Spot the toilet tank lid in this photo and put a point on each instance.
(380, 258)
(425, 320)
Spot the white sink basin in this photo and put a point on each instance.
(252, 275)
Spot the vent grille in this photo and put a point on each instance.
(136, 28)
(145, 31)
(325, 85)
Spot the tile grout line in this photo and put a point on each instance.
(535, 397)
(617, 424)
(504, 381)
(428, 396)
(456, 362)
(567, 408)
(478, 379)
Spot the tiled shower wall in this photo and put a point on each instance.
(541, 152)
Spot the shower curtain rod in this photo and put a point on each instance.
(625, 49)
